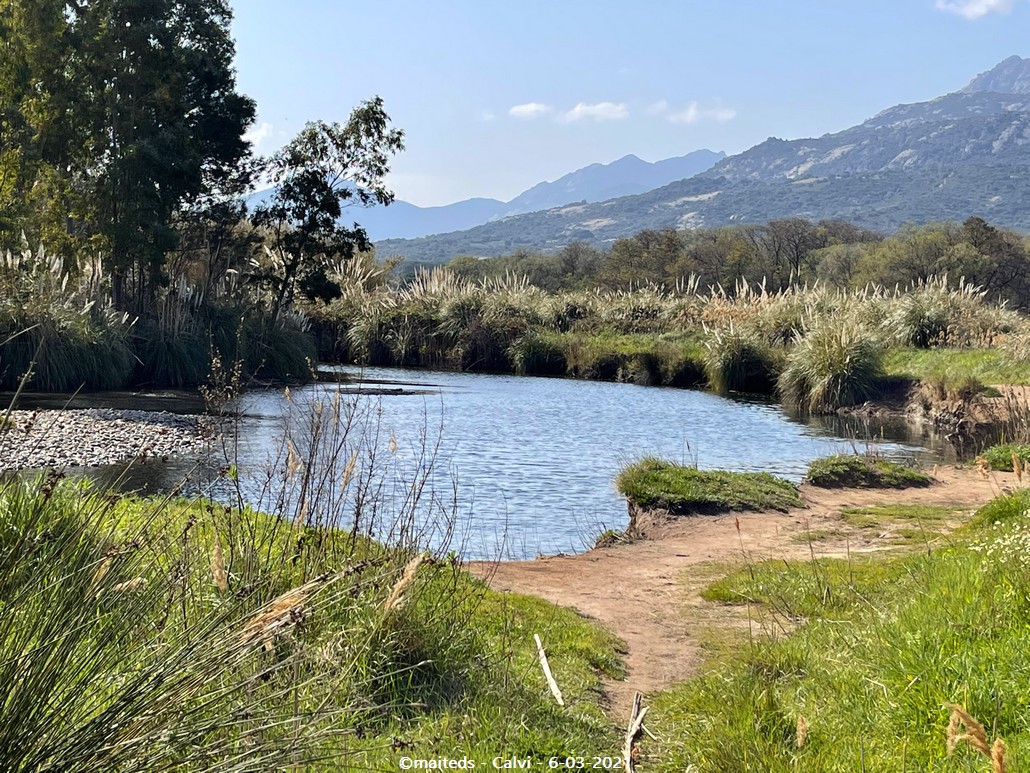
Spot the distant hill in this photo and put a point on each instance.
(961, 154)
(627, 175)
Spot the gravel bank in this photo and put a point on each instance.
(95, 437)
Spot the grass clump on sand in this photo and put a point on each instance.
(853, 664)
(654, 484)
(1000, 457)
(857, 471)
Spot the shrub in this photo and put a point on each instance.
(853, 471)
(1000, 456)
(656, 484)
(738, 361)
(535, 354)
(834, 365)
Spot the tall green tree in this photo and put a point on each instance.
(326, 168)
(160, 120)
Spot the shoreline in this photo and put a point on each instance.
(95, 437)
(648, 591)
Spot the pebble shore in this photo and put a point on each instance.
(95, 437)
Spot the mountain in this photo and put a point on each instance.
(961, 154)
(627, 175)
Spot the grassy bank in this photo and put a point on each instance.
(818, 348)
(188, 634)
(851, 663)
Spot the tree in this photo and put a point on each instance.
(160, 122)
(324, 169)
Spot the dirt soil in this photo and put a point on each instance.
(648, 592)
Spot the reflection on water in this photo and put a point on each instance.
(534, 458)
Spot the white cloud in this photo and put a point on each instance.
(258, 134)
(529, 110)
(485, 116)
(602, 111)
(974, 9)
(658, 107)
(694, 113)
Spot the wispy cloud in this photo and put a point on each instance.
(257, 135)
(601, 111)
(529, 110)
(974, 9)
(485, 116)
(658, 108)
(694, 113)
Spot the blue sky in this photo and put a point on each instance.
(495, 97)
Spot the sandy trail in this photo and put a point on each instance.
(648, 592)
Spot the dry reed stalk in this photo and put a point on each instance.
(542, 656)
(1017, 467)
(983, 467)
(218, 573)
(101, 571)
(998, 756)
(129, 585)
(396, 598)
(293, 463)
(975, 736)
(348, 471)
(281, 612)
(801, 735)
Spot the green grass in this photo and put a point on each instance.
(988, 366)
(1000, 456)
(854, 471)
(148, 662)
(834, 365)
(867, 651)
(928, 521)
(656, 484)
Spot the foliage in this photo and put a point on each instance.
(59, 329)
(738, 360)
(863, 471)
(999, 457)
(850, 661)
(655, 484)
(832, 365)
(324, 168)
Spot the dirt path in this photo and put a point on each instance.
(648, 592)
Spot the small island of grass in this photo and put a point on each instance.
(655, 484)
(855, 471)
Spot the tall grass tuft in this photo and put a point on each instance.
(738, 360)
(835, 364)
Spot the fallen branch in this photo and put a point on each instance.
(636, 725)
(547, 671)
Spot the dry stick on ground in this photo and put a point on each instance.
(636, 724)
(547, 670)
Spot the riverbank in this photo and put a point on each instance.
(648, 592)
(96, 437)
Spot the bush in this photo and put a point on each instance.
(656, 484)
(1000, 456)
(535, 354)
(834, 365)
(844, 471)
(739, 361)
